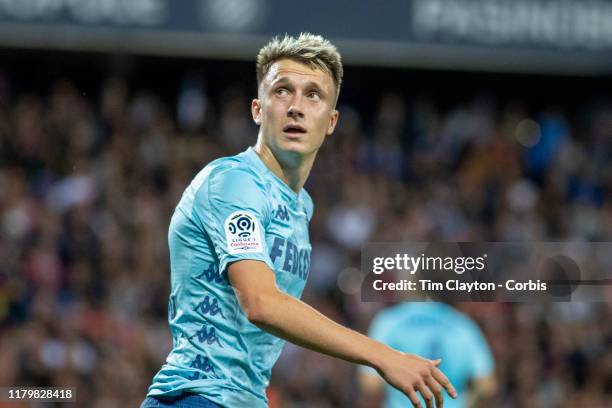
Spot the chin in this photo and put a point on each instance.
(289, 145)
(295, 147)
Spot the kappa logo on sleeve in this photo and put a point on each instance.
(242, 233)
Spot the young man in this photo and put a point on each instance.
(240, 252)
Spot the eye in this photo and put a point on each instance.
(281, 92)
(315, 95)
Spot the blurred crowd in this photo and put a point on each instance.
(88, 184)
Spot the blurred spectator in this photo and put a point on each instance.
(435, 331)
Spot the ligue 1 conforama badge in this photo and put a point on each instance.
(242, 233)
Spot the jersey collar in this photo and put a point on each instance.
(254, 158)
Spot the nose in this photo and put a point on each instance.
(292, 112)
(295, 110)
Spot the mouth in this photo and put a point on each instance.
(294, 130)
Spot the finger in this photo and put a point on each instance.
(436, 388)
(416, 403)
(441, 378)
(436, 362)
(427, 394)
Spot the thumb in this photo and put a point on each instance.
(436, 362)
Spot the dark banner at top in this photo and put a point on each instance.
(498, 33)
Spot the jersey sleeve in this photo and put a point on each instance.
(480, 354)
(232, 207)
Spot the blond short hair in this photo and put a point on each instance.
(309, 49)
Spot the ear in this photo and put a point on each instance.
(332, 122)
(256, 111)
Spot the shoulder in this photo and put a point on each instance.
(398, 314)
(464, 325)
(386, 318)
(308, 204)
(233, 175)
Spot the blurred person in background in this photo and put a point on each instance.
(433, 330)
(240, 252)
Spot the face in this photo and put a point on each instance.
(295, 109)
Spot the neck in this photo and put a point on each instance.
(293, 172)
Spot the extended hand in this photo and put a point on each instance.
(410, 373)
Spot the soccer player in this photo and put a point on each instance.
(240, 252)
(435, 330)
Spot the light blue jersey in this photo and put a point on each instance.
(234, 209)
(434, 330)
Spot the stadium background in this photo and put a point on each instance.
(452, 127)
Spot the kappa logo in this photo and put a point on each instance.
(281, 213)
(203, 367)
(242, 233)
